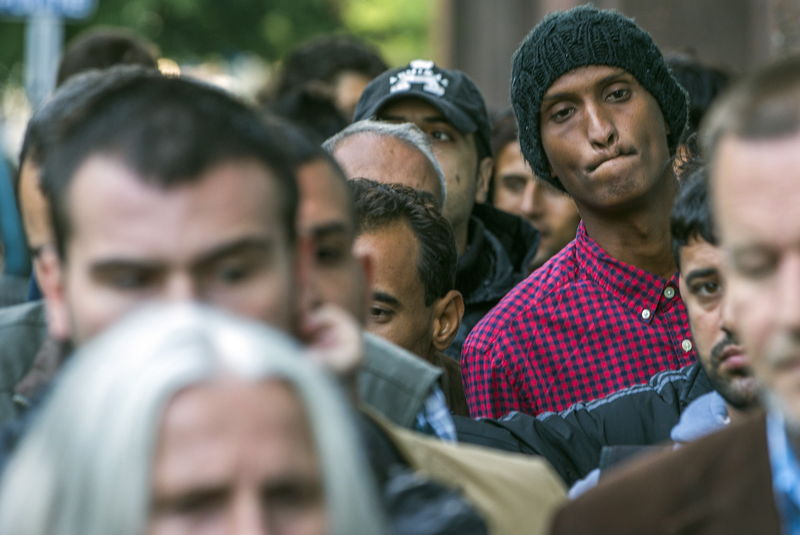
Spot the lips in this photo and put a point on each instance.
(600, 161)
(733, 359)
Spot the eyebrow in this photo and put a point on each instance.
(202, 494)
(250, 243)
(242, 245)
(700, 274)
(327, 229)
(384, 297)
(605, 80)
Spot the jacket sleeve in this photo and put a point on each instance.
(572, 440)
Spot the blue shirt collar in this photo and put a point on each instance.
(785, 472)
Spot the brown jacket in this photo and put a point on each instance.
(721, 484)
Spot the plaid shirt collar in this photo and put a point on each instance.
(638, 289)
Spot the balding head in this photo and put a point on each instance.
(389, 153)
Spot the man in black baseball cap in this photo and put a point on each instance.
(494, 247)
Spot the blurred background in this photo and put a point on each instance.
(240, 43)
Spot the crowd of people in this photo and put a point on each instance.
(365, 305)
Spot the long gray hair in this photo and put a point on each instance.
(85, 466)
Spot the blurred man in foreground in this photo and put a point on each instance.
(215, 425)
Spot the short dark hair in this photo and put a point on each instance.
(168, 130)
(379, 205)
(303, 151)
(692, 216)
(325, 57)
(103, 48)
(77, 92)
(703, 83)
(313, 114)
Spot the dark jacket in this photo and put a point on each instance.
(500, 248)
(721, 484)
(572, 440)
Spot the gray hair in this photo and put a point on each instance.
(85, 466)
(408, 133)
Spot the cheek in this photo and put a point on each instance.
(753, 316)
(507, 200)
(705, 330)
(562, 212)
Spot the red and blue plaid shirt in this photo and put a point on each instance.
(582, 326)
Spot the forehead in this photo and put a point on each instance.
(394, 250)
(210, 430)
(324, 197)
(756, 190)
(398, 163)
(584, 79)
(110, 205)
(698, 254)
(413, 110)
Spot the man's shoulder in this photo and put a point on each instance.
(676, 488)
(22, 316)
(548, 287)
(23, 329)
(394, 381)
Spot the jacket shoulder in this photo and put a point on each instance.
(23, 329)
(393, 381)
(710, 486)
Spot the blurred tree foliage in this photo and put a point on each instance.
(398, 27)
(195, 30)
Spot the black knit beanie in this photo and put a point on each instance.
(583, 36)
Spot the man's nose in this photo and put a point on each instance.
(181, 287)
(248, 515)
(600, 127)
(532, 200)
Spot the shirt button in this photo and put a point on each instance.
(669, 292)
(686, 345)
(646, 314)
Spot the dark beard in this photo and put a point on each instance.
(739, 400)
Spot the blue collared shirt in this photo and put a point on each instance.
(785, 473)
(435, 418)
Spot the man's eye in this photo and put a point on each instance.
(706, 289)
(232, 273)
(562, 114)
(515, 184)
(618, 95)
(754, 266)
(380, 315)
(440, 135)
(329, 256)
(130, 280)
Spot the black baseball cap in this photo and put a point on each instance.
(449, 91)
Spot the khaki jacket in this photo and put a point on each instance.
(515, 494)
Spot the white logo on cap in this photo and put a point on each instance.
(419, 72)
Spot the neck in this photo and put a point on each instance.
(639, 236)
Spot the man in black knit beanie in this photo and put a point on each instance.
(600, 116)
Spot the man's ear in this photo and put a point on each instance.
(50, 276)
(485, 169)
(447, 314)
